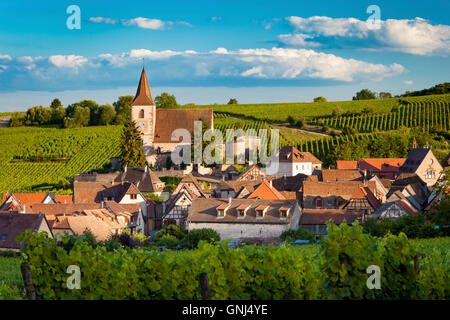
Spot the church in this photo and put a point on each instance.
(157, 125)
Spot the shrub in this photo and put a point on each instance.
(290, 120)
(172, 230)
(8, 254)
(168, 241)
(192, 239)
(291, 235)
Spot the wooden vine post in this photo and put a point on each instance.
(416, 263)
(28, 281)
(204, 286)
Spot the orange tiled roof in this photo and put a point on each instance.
(266, 192)
(63, 198)
(382, 164)
(26, 198)
(347, 164)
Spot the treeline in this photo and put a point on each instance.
(437, 89)
(79, 114)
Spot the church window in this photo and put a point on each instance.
(141, 114)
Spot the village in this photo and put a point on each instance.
(247, 204)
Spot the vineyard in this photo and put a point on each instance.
(38, 158)
(334, 269)
(278, 112)
(423, 114)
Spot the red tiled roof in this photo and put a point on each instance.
(143, 95)
(26, 198)
(347, 164)
(63, 198)
(266, 192)
(329, 175)
(382, 164)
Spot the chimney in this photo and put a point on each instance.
(145, 169)
(125, 169)
(229, 201)
(270, 182)
(102, 204)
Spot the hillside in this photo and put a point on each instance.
(38, 158)
(278, 112)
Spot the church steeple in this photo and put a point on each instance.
(143, 95)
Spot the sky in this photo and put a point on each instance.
(207, 52)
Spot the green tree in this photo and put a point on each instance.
(55, 103)
(93, 108)
(107, 114)
(337, 112)
(233, 101)
(123, 109)
(192, 239)
(365, 94)
(17, 120)
(131, 146)
(58, 114)
(384, 95)
(290, 120)
(320, 99)
(166, 101)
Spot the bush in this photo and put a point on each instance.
(337, 112)
(168, 241)
(290, 120)
(291, 235)
(8, 254)
(172, 230)
(192, 239)
(320, 99)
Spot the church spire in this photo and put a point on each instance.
(143, 95)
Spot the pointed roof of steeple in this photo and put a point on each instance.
(143, 95)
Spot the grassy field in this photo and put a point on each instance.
(278, 112)
(38, 158)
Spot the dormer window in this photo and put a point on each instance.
(284, 212)
(242, 211)
(133, 196)
(261, 211)
(222, 210)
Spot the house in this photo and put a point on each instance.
(12, 225)
(347, 165)
(387, 168)
(190, 183)
(314, 220)
(23, 202)
(244, 218)
(424, 164)
(143, 178)
(176, 210)
(330, 195)
(395, 209)
(236, 189)
(363, 200)
(97, 192)
(76, 225)
(292, 162)
(254, 172)
(157, 126)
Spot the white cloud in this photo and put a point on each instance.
(5, 57)
(68, 61)
(145, 23)
(216, 18)
(408, 82)
(298, 39)
(242, 67)
(414, 36)
(140, 22)
(103, 20)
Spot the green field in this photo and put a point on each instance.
(278, 112)
(38, 158)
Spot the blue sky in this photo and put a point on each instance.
(209, 51)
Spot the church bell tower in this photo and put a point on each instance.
(143, 111)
